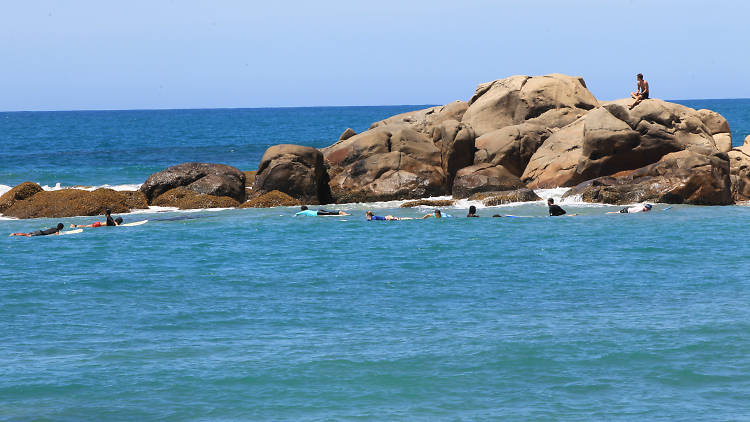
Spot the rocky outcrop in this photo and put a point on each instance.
(739, 171)
(550, 101)
(185, 199)
(484, 177)
(428, 203)
(718, 128)
(201, 178)
(135, 199)
(683, 177)
(348, 133)
(511, 146)
(612, 138)
(295, 170)
(385, 163)
(456, 143)
(20, 192)
(425, 121)
(69, 203)
(271, 199)
(492, 199)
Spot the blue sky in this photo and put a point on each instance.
(194, 54)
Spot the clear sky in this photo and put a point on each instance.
(62, 55)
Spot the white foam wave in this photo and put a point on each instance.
(4, 188)
(58, 186)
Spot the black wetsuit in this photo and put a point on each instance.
(326, 212)
(110, 221)
(555, 210)
(471, 215)
(51, 230)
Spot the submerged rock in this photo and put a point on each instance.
(428, 203)
(491, 199)
(202, 178)
(70, 203)
(271, 199)
(185, 198)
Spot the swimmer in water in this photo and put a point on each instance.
(435, 214)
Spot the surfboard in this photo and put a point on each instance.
(135, 223)
(72, 231)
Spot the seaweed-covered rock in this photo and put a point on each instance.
(185, 198)
(20, 192)
(135, 199)
(69, 203)
(203, 178)
(271, 199)
(428, 203)
(491, 199)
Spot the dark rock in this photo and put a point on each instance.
(295, 170)
(249, 178)
(484, 177)
(204, 178)
(683, 177)
(348, 133)
(271, 199)
(428, 203)
(509, 197)
(185, 198)
(69, 203)
(20, 192)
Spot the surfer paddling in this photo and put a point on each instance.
(634, 209)
(117, 221)
(372, 217)
(52, 230)
(311, 213)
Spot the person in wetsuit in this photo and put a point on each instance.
(118, 221)
(641, 93)
(310, 213)
(472, 211)
(47, 232)
(634, 209)
(554, 209)
(110, 220)
(372, 217)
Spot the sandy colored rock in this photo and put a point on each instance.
(426, 120)
(551, 101)
(683, 177)
(295, 170)
(348, 133)
(135, 199)
(484, 177)
(271, 199)
(250, 178)
(185, 198)
(456, 143)
(69, 203)
(428, 203)
(511, 146)
(20, 192)
(739, 171)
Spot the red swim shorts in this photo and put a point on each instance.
(97, 224)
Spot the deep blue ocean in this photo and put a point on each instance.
(252, 314)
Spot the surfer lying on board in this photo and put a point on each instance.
(118, 221)
(631, 210)
(49, 231)
(436, 214)
(372, 217)
(311, 213)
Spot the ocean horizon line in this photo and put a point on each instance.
(297, 107)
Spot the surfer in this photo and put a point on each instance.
(310, 213)
(554, 209)
(472, 211)
(641, 92)
(49, 231)
(372, 217)
(118, 221)
(634, 209)
(110, 221)
(435, 214)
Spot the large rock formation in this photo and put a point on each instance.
(739, 167)
(426, 120)
(511, 146)
(550, 101)
(202, 178)
(295, 170)
(70, 203)
(385, 163)
(612, 138)
(683, 177)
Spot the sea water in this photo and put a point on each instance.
(254, 314)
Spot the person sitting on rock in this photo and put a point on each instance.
(554, 209)
(118, 221)
(372, 217)
(634, 209)
(49, 231)
(472, 212)
(310, 213)
(641, 92)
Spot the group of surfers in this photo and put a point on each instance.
(109, 221)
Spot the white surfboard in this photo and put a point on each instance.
(72, 231)
(135, 223)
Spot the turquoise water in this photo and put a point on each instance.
(257, 315)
